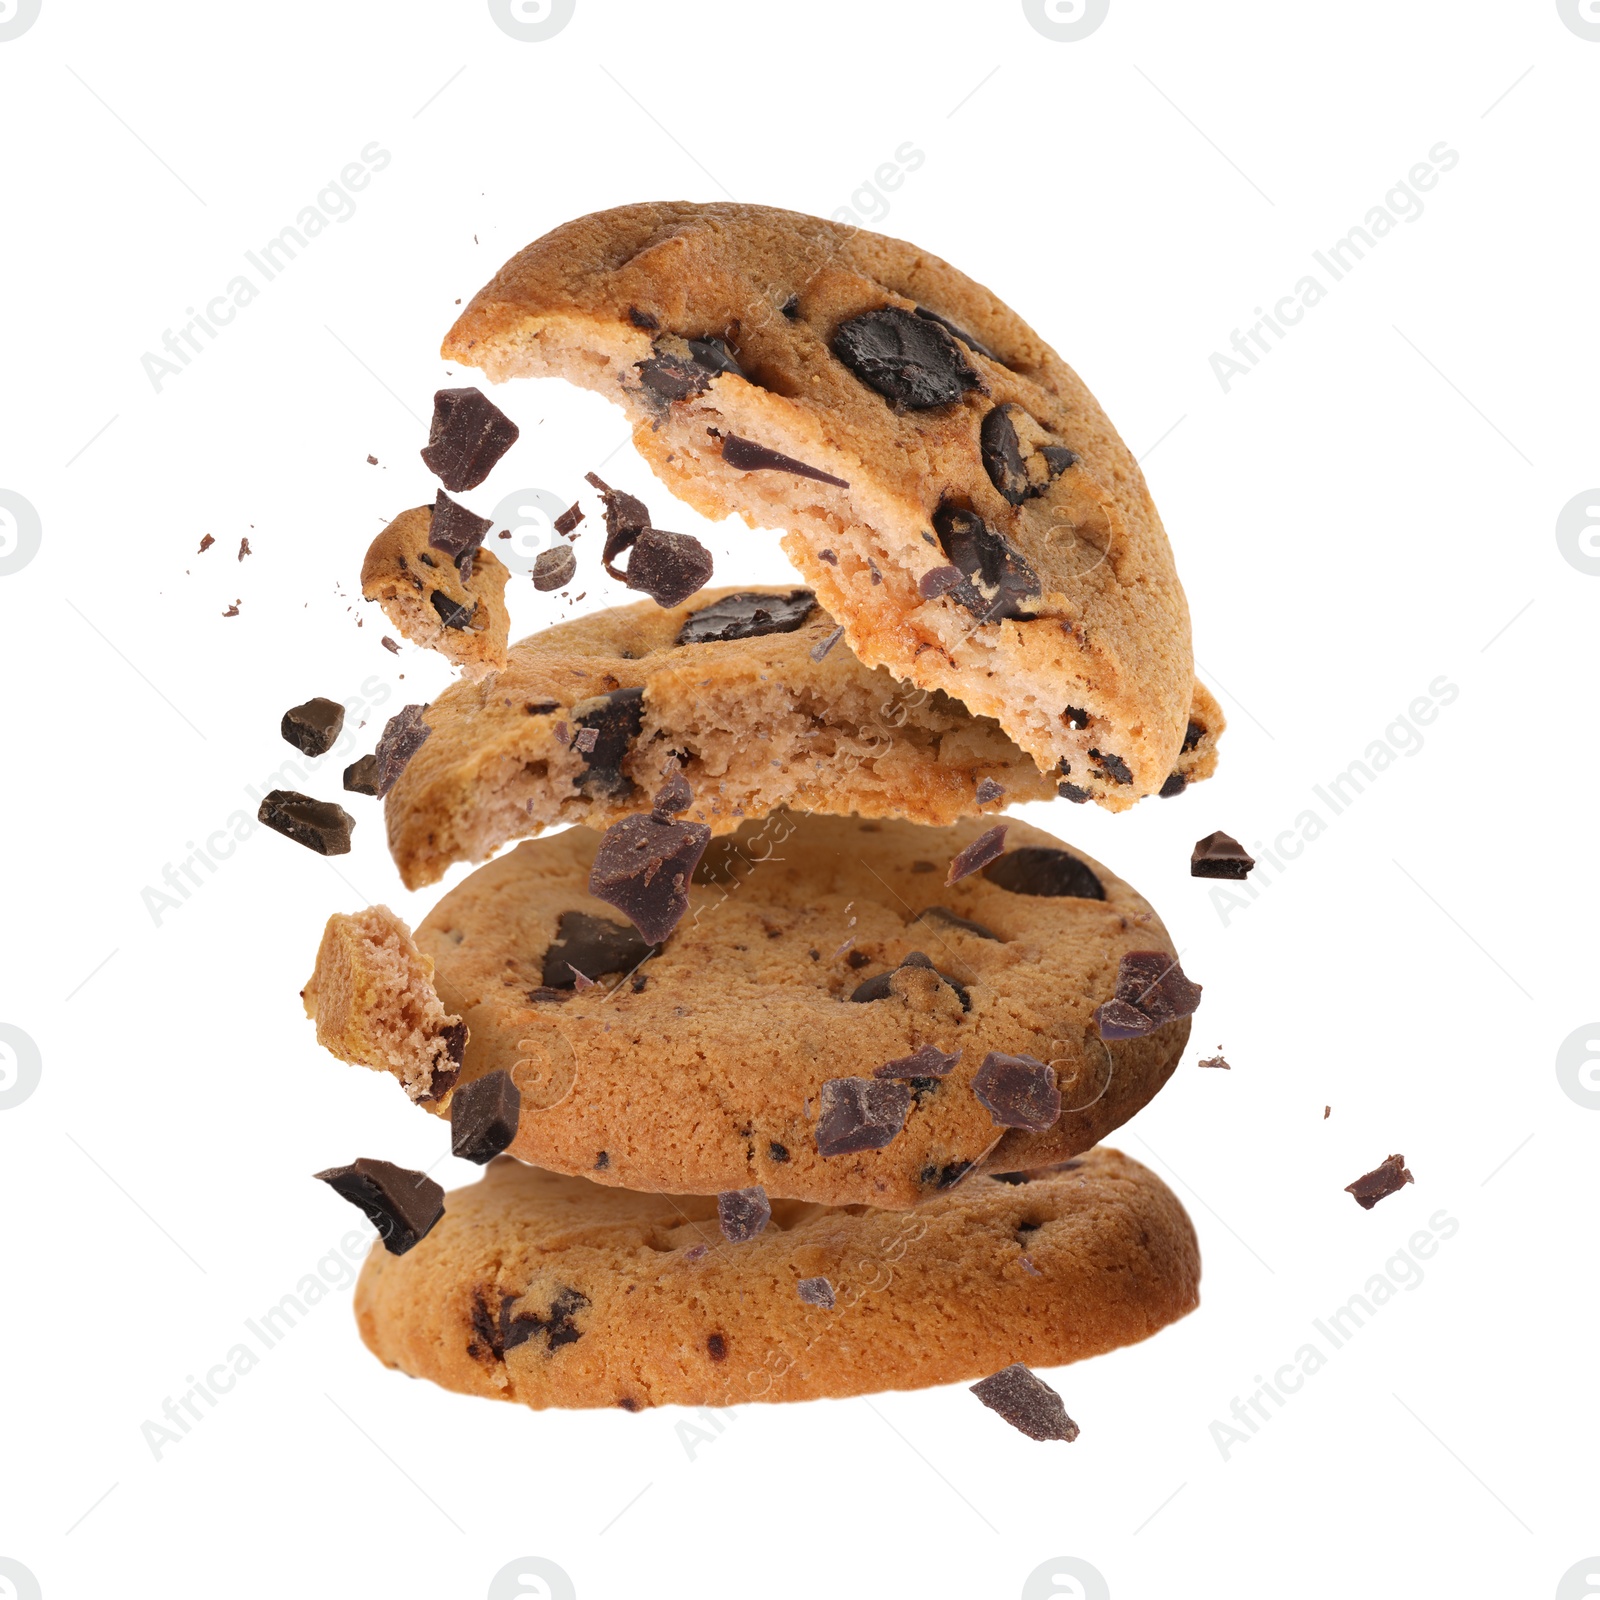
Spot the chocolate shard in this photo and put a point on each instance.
(879, 987)
(401, 1204)
(816, 1292)
(669, 567)
(1151, 990)
(1017, 454)
(644, 867)
(1041, 870)
(451, 613)
(469, 435)
(927, 1062)
(568, 520)
(1027, 1402)
(996, 578)
(821, 648)
(681, 368)
(616, 718)
(626, 518)
(554, 568)
(1220, 856)
(483, 1117)
(743, 1213)
(988, 792)
(317, 824)
(747, 456)
(314, 726)
(673, 796)
(748, 616)
(361, 777)
(593, 946)
(987, 847)
(945, 915)
(1018, 1092)
(403, 735)
(857, 1114)
(908, 359)
(1387, 1178)
(453, 529)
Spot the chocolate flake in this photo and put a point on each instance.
(1389, 1177)
(483, 1117)
(391, 645)
(1018, 1092)
(585, 740)
(644, 866)
(1027, 1402)
(401, 1204)
(361, 777)
(452, 614)
(996, 578)
(945, 915)
(748, 615)
(823, 646)
(402, 737)
(1220, 856)
(568, 520)
(910, 360)
(988, 792)
(857, 1114)
(1041, 870)
(593, 946)
(314, 726)
(816, 1292)
(987, 847)
(669, 567)
(928, 1062)
(746, 455)
(554, 568)
(453, 529)
(1020, 461)
(317, 824)
(880, 986)
(1071, 791)
(616, 717)
(1151, 990)
(469, 435)
(743, 1213)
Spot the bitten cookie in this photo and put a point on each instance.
(831, 1019)
(424, 595)
(743, 692)
(553, 1291)
(950, 489)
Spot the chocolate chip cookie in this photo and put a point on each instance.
(948, 487)
(554, 1291)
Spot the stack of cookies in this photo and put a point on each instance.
(787, 1062)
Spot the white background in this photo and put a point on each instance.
(1372, 508)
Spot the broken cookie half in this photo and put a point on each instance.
(949, 489)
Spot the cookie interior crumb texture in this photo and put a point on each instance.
(554, 1291)
(996, 539)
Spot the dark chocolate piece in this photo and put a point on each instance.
(939, 581)
(743, 1213)
(644, 866)
(996, 578)
(317, 824)
(669, 567)
(945, 915)
(401, 1204)
(1071, 791)
(909, 359)
(244, 549)
(361, 777)
(1193, 733)
(206, 542)
(928, 1062)
(391, 645)
(816, 1292)
(1039, 870)
(483, 1117)
(673, 796)
(1220, 856)
(616, 718)
(626, 518)
(1389, 1177)
(568, 520)
(682, 368)
(960, 333)
(717, 1346)
(453, 529)
(554, 568)
(500, 1332)
(988, 792)
(778, 1152)
(402, 737)
(1175, 785)
(1018, 1092)
(468, 436)
(748, 616)
(1027, 1402)
(859, 1114)
(451, 612)
(1216, 1061)
(585, 739)
(823, 646)
(1151, 990)
(747, 456)
(945, 1177)
(643, 319)
(791, 307)
(987, 847)
(314, 726)
(1113, 767)
(594, 946)
(877, 988)
(1017, 466)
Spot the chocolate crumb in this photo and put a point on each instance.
(372, 461)
(1327, 1111)
(483, 1117)
(717, 1347)
(1220, 856)
(696, 1252)
(1389, 1177)
(585, 740)
(816, 1292)
(317, 824)
(205, 544)
(232, 610)
(1216, 1061)
(602, 1161)
(401, 1204)
(985, 848)
(1027, 1402)
(743, 1213)
(312, 728)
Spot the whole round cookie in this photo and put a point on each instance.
(947, 484)
(553, 1291)
(749, 692)
(830, 1019)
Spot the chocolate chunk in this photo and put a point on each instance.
(451, 612)
(791, 307)
(988, 792)
(1175, 785)
(391, 645)
(717, 1346)
(682, 368)
(1019, 461)
(747, 456)
(1151, 990)
(643, 319)
(1027, 1402)
(314, 726)
(317, 824)
(985, 848)
(748, 616)
(1116, 1019)
(669, 567)
(945, 915)
(554, 568)
(401, 1204)
(939, 581)
(778, 1152)
(928, 1062)
(594, 946)
(1113, 767)
(541, 708)
(1071, 791)
(823, 646)
(616, 718)
(910, 360)
(945, 1177)
(602, 1161)
(361, 777)
(568, 520)
(506, 1331)
(673, 796)
(960, 333)
(1018, 1092)
(816, 1292)
(1389, 1177)
(743, 1213)
(859, 1114)
(372, 461)
(1216, 1061)
(626, 518)
(1219, 856)
(469, 434)
(402, 737)
(878, 988)
(996, 579)
(483, 1117)
(1040, 870)
(585, 740)
(643, 867)
(1192, 735)
(453, 529)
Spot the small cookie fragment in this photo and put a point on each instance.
(1389, 1177)
(859, 1114)
(361, 777)
(743, 1213)
(403, 735)
(554, 568)
(1018, 1091)
(816, 1292)
(1218, 855)
(317, 824)
(483, 1117)
(927, 1062)
(313, 727)
(1027, 1402)
(401, 1204)
(455, 530)
(643, 867)
(987, 847)
(1151, 990)
(468, 436)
